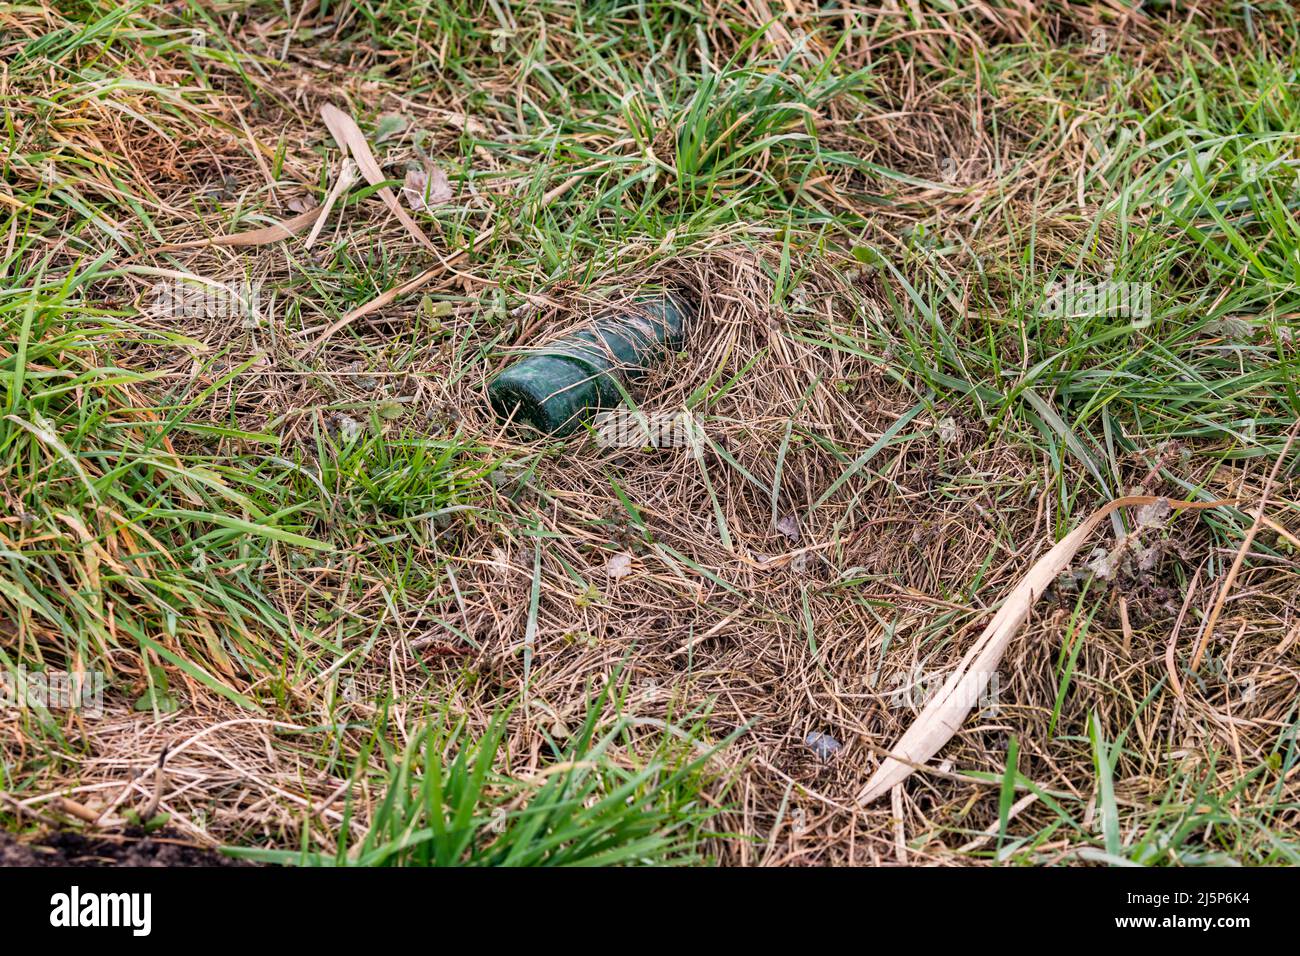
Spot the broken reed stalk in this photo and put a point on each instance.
(941, 718)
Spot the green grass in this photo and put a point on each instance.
(444, 804)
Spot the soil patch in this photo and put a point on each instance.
(68, 848)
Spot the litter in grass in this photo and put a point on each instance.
(555, 388)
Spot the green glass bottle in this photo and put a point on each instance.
(556, 387)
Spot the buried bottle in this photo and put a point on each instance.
(556, 387)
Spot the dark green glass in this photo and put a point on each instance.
(556, 387)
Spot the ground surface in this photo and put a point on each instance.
(74, 849)
(342, 615)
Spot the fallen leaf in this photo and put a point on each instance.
(424, 190)
(823, 745)
(789, 526)
(349, 428)
(348, 135)
(1148, 558)
(500, 562)
(619, 566)
(1153, 515)
(388, 125)
(343, 182)
(252, 237)
(1103, 563)
(942, 717)
(1233, 328)
(272, 233)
